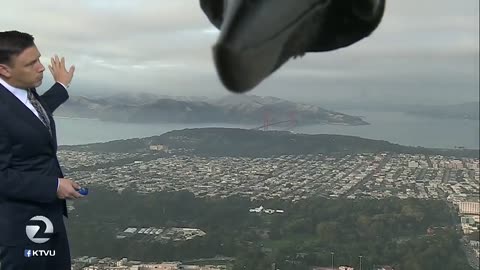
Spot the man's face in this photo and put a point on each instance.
(25, 69)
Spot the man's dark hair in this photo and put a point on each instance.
(13, 43)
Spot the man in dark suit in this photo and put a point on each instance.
(32, 188)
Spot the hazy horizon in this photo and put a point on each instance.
(343, 104)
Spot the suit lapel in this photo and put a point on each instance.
(23, 112)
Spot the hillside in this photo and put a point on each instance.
(255, 143)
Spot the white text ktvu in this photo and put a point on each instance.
(39, 253)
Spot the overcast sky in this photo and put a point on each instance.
(424, 51)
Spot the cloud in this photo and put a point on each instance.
(426, 48)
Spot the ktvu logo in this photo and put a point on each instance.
(36, 224)
(39, 229)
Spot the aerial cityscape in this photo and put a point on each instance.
(287, 177)
(240, 135)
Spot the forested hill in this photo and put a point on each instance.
(256, 143)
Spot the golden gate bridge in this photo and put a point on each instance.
(267, 122)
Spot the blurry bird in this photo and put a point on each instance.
(259, 36)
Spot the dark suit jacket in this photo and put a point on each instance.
(29, 167)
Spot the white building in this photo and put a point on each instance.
(472, 208)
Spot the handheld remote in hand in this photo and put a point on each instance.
(83, 191)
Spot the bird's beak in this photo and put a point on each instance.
(256, 38)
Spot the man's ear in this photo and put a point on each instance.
(5, 71)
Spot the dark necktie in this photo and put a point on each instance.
(39, 108)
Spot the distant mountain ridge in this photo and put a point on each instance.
(235, 109)
(469, 110)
